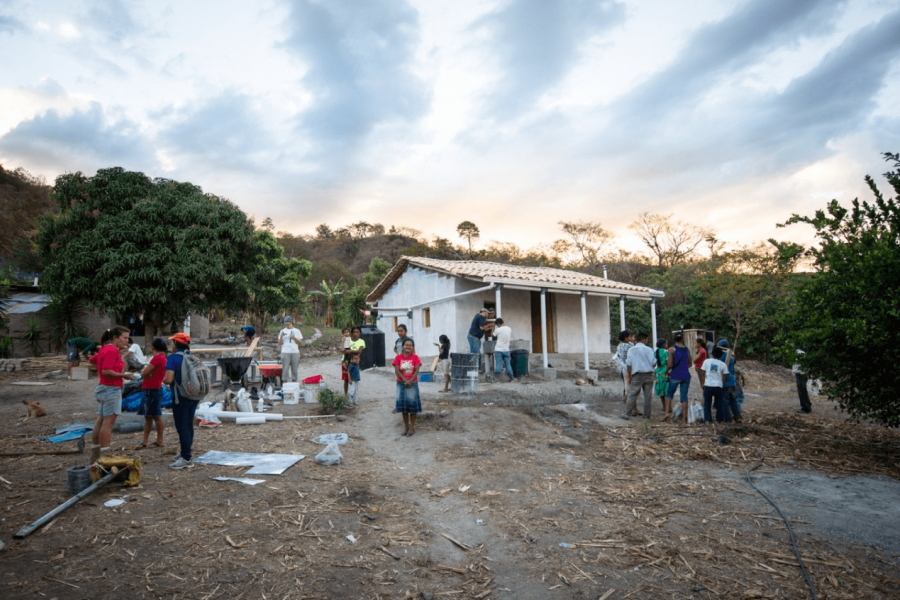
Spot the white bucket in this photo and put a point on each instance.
(291, 392)
(308, 396)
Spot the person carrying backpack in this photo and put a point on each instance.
(188, 380)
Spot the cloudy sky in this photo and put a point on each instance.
(513, 114)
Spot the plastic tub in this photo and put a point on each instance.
(291, 392)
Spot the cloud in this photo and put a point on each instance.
(112, 19)
(535, 43)
(8, 23)
(226, 131)
(358, 59)
(83, 140)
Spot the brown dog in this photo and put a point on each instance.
(34, 409)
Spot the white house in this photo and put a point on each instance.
(553, 310)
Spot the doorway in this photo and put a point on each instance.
(537, 345)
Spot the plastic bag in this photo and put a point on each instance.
(695, 412)
(676, 412)
(242, 401)
(337, 438)
(329, 456)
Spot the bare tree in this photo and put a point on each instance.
(671, 242)
(588, 239)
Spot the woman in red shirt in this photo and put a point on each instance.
(110, 368)
(151, 383)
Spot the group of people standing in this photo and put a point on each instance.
(663, 371)
(484, 326)
(160, 369)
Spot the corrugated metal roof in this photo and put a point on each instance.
(26, 307)
(533, 277)
(29, 297)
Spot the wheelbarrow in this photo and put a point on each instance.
(271, 375)
(234, 370)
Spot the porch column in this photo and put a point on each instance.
(497, 299)
(653, 321)
(544, 326)
(584, 333)
(622, 313)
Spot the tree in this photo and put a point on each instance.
(332, 295)
(324, 232)
(268, 224)
(122, 242)
(846, 316)
(468, 230)
(671, 242)
(378, 268)
(272, 282)
(588, 238)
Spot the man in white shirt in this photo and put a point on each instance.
(501, 349)
(640, 375)
(134, 356)
(289, 337)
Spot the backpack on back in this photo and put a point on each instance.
(194, 378)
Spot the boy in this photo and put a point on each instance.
(716, 371)
(353, 372)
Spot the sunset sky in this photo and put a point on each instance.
(513, 114)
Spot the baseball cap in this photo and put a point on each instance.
(181, 338)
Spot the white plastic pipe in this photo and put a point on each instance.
(250, 420)
(230, 414)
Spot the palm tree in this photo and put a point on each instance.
(332, 295)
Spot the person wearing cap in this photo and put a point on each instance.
(249, 332)
(480, 326)
(183, 409)
(289, 337)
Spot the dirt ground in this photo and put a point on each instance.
(527, 491)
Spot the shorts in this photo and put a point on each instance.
(151, 403)
(443, 367)
(109, 400)
(344, 375)
(71, 352)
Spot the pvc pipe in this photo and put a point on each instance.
(230, 414)
(250, 420)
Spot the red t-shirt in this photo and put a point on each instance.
(407, 366)
(109, 359)
(701, 356)
(153, 381)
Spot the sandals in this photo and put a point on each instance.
(156, 445)
(143, 446)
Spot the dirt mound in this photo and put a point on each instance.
(761, 376)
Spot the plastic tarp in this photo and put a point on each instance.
(132, 402)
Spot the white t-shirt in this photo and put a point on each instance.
(135, 350)
(716, 371)
(289, 338)
(503, 333)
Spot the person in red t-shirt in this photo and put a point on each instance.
(111, 371)
(700, 349)
(151, 383)
(406, 368)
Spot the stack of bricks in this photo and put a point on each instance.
(12, 364)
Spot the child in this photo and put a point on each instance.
(151, 382)
(345, 358)
(443, 366)
(662, 372)
(715, 371)
(406, 368)
(700, 349)
(353, 372)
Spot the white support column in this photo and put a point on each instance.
(622, 313)
(544, 326)
(584, 332)
(497, 301)
(653, 322)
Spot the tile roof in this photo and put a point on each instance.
(513, 275)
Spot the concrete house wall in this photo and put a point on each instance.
(454, 316)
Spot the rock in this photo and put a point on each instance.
(427, 596)
(341, 417)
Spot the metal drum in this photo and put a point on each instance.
(463, 373)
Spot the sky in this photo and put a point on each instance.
(513, 114)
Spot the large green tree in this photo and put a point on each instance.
(846, 316)
(272, 281)
(124, 242)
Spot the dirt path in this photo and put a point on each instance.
(549, 501)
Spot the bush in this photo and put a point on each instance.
(332, 404)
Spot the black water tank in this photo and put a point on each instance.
(373, 355)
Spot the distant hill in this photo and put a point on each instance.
(23, 198)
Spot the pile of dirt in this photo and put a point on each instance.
(760, 376)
